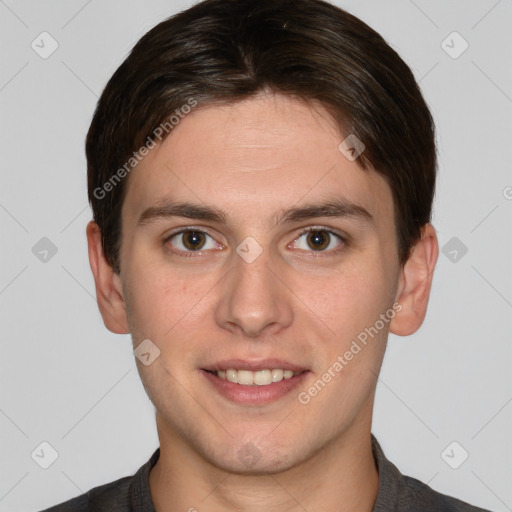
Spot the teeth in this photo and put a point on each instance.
(262, 377)
(277, 375)
(231, 375)
(258, 378)
(246, 378)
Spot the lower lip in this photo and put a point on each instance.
(254, 395)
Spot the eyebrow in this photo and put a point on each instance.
(338, 208)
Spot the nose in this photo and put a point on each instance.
(254, 299)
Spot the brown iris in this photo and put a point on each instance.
(318, 240)
(193, 240)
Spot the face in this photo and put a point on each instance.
(264, 274)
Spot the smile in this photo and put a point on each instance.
(256, 383)
(254, 378)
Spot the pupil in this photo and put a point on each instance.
(317, 237)
(193, 239)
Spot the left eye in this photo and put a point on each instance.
(191, 240)
(320, 240)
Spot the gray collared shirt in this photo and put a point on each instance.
(397, 493)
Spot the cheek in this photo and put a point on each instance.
(348, 300)
(148, 299)
(161, 301)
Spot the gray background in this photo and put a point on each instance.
(68, 381)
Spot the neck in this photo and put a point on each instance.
(341, 477)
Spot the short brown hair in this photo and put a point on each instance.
(222, 51)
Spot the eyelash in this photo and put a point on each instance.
(315, 254)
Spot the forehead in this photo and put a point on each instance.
(253, 158)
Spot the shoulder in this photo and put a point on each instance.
(400, 493)
(118, 496)
(426, 498)
(111, 497)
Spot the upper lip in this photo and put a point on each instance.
(254, 365)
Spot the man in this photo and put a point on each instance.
(261, 174)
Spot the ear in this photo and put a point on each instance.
(415, 284)
(109, 293)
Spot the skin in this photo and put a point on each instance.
(254, 159)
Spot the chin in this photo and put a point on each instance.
(267, 464)
(248, 458)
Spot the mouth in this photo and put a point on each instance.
(254, 382)
(263, 377)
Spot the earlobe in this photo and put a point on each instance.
(108, 284)
(415, 284)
